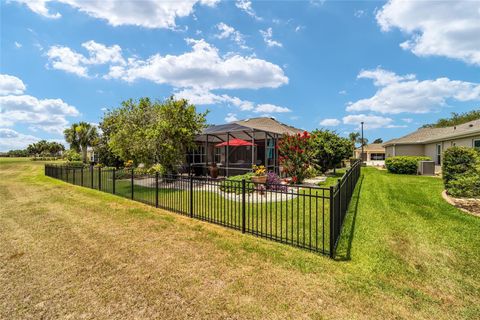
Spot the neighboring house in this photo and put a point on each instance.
(238, 145)
(432, 142)
(92, 156)
(373, 154)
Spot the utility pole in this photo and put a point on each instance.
(363, 141)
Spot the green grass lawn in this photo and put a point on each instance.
(302, 220)
(68, 251)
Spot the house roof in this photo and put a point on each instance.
(243, 128)
(427, 135)
(372, 147)
(269, 125)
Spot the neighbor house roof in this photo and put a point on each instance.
(428, 135)
(372, 147)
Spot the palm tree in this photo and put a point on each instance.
(72, 138)
(81, 136)
(354, 137)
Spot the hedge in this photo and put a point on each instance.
(404, 164)
(461, 171)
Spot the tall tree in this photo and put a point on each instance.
(153, 132)
(354, 137)
(81, 136)
(72, 138)
(455, 119)
(330, 149)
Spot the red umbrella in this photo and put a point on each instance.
(234, 143)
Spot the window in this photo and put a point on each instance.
(197, 155)
(377, 156)
(439, 154)
(218, 155)
(476, 144)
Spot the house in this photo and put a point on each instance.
(431, 142)
(236, 146)
(373, 154)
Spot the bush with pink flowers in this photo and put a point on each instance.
(296, 155)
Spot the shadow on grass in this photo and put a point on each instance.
(344, 246)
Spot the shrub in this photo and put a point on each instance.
(297, 154)
(274, 182)
(466, 185)
(461, 172)
(458, 161)
(233, 185)
(157, 168)
(72, 155)
(404, 164)
(74, 164)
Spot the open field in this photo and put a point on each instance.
(68, 251)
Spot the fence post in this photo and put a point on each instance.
(243, 206)
(156, 189)
(67, 174)
(99, 178)
(73, 178)
(191, 196)
(113, 181)
(81, 170)
(91, 177)
(332, 223)
(131, 183)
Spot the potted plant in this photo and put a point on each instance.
(259, 174)
(214, 171)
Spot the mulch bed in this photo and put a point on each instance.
(471, 206)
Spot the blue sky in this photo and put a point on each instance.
(312, 64)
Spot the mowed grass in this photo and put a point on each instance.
(72, 252)
(297, 216)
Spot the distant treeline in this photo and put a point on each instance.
(41, 148)
(455, 119)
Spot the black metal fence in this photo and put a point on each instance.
(302, 216)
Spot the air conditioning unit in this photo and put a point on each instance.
(426, 168)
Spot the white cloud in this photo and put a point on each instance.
(231, 117)
(342, 92)
(359, 13)
(64, 58)
(45, 114)
(205, 97)
(440, 28)
(229, 32)
(317, 3)
(101, 54)
(16, 107)
(407, 120)
(203, 67)
(383, 77)
(147, 13)
(11, 140)
(11, 85)
(397, 94)
(40, 7)
(370, 121)
(267, 37)
(270, 108)
(299, 28)
(330, 122)
(246, 6)
(18, 45)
